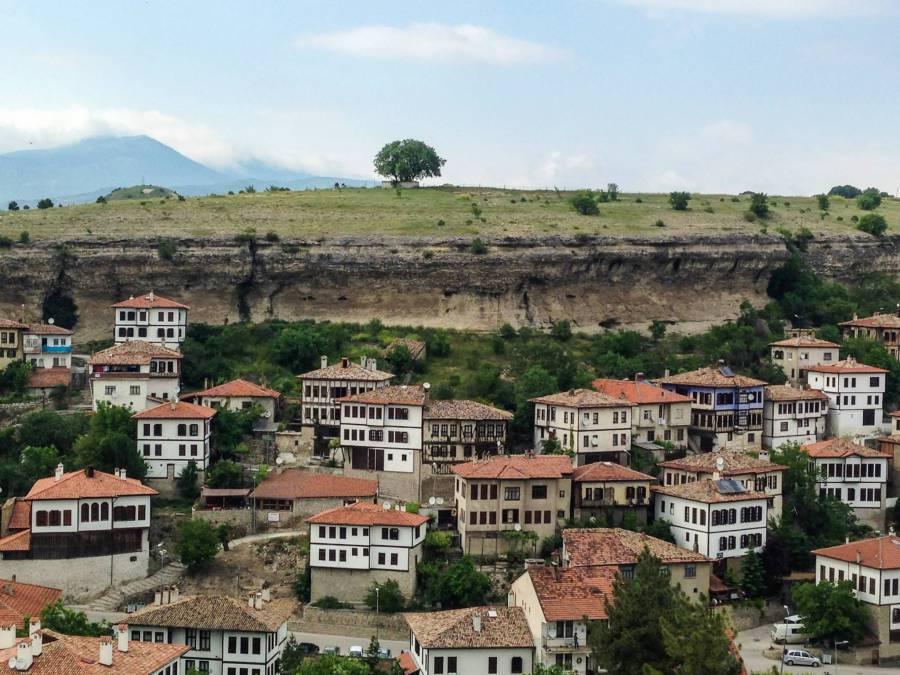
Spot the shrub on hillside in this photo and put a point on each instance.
(584, 203)
(679, 200)
(873, 223)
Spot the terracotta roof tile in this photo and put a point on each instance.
(601, 472)
(583, 398)
(501, 627)
(784, 392)
(878, 553)
(711, 377)
(638, 392)
(299, 484)
(400, 394)
(176, 410)
(802, 341)
(77, 485)
(21, 515)
(707, 491)
(735, 463)
(9, 323)
(464, 410)
(615, 546)
(237, 388)
(848, 365)
(350, 371)
(47, 329)
(841, 447)
(20, 541)
(133, 352)
(367, 513)
(875, 321)
(18, 601)
(45, 378)
(149, 301)
(215, 612)
(516, 467)
(571, 593)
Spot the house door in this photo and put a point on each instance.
(170, 471)
(868, 418)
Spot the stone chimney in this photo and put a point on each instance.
(122, 637)
(251, 600)
(37, 642)
(371, 364)
(59, 472)
(638, 377)
(173, 594)
(7, 636)
(106, 651)
(258, 601)
(267, 594)
(24, 657)
(323, 361)
(157, 598)
(166, 595)
(476, 622)
(34, 625)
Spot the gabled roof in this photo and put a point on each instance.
(603, 472)
(734, 463)
(237, 389)
(367, 514)
(20, 541)
(785, 392)
(639, 392)
(516, 467)
(18, 601)
(501, 627)
(47, 329)
(464, 410)
(347, 370)
(149, 301)
(13, 325)
(80, 485)
(712, 377)
(299, 484)
(398, 394)
(707, 491)
(415, 347)
(803, 342)
(45, 378)
(176, 410)
(215, 612)
(21, 515)
(874, 321)
(572, 593)
(848, 365)
(583, 398)
(841, 447)
(133, 352)
(615, 546)
(879, 553)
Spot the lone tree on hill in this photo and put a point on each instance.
(408, 160)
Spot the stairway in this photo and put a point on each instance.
(114, 598)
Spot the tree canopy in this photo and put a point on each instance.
(831, 611)
(408, 160)
(197, 544)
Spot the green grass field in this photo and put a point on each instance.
(427, 212)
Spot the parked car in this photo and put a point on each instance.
(332, 650)
(308, 648)
(799, 657)
(792, 631)
(356, 651)
(384, 653)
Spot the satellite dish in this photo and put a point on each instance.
(267, 413)
(432, 501)
(517, 527)
(279, 461)
(51, 321)
(720, 464)
(440, 500)
(387, 506)
(12, 663)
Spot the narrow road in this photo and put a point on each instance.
(344, 642)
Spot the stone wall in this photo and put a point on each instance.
(231, 516)
(352, 585)
(350, 622)
(745, 617)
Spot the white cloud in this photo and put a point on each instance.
(434, 42)
(728, 131)
(766, 8)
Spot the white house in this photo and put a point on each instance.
(171, 435)
(84, 530)
(135, 375)
(151, 318)
(558, 604)
(238, 395)
(354, 545)
(48, 346)
(224, 636)
(796, 354)
(593, 425)
(718, 518)
(660, 415)
(873, 567)
(855, 396)
(793, 415)
(483, 640)
(854, 474)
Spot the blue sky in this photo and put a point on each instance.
(787, 96)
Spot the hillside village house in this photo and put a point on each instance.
(320, 389)
(492, 640)
(20, 602)
(352, 546)
(135, 375)
(47, 652)
(220, 635)
(85, 530)
(287, 495)
(618, 550)
(853, 473)
(718, 518)
(11, 338)
(558, 604)
(151, 318)
(883, 328)
(529, 494)
(793, 415)
(381, 436)
(659, 415)
(855, 396)
(727, 408)
(610, 493)
(593, 425)
(238, 395)
(46, 345)
(794, 355)
(759, 475)
(173, 434)
(873, 567)
(890, 445)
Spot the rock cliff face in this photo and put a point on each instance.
(592, 281)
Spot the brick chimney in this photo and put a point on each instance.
(59, 472)
(122, 637)
(24, 657)
(106, 651)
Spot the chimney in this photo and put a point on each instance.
(89, 471)
(24, 657)
(7, 636)
(34, 625)
(106, 651)
(476, 622)
(166, 595)
(638, 377)
(157, 598)
(371, 364)
(257, 601)
(59, 471)
(250, 600)
(122, 636)
(267, 594)
(858, 557)
(173, 595)
(123, 474)
(427, 388)
(151, 297)
(666, 372)
(323, 361)
(362, 361)
(37, 642)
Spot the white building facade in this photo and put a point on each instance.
(660, 415)
(793, 415)
(855, 396)
(48, 346)
(171, 435)
(151, 318)
(135, 375)
(796, 355)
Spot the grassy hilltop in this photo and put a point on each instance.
(426, 212)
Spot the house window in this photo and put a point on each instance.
(204, 641)
(190, 637)
(516, 665)
(538, 491)
(438, 665)
(492, 665)
(690, 571)
(511, 493)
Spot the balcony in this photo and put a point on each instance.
(57, 349)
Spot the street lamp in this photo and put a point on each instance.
(787, 613)
(836, 645)
(377, 591)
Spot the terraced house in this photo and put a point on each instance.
(11, 348)
(173, 434)
(795, 354)
(238, 395)
(659, 414)
(855, 396)
(793, 415)
(883, 328)
(151, 318)
(136, 375)
(611, 493)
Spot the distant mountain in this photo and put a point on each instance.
(83, 171)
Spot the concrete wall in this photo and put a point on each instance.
(352, 585)
(355, 617)
(230, 516)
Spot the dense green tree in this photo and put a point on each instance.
(45, 203)
(333, 665)
(225, 474)
(458, 584)
(753, 579)
(679, 200)
(831, 611)
(110, 442)
(846, 191)
(872, 223)
(708, 649)
(822, 202)
(197, 544)
(561, 330)
(60, 618)
(408, 160)
(39, 462)
(759, 204)
(14, 379)
(46, 428)
(400, 361)
(230, 428)
(585, 203)
(187, 481)
(13, 206)
(869, 200)
(534, 382)
(387, 596)
(301, 586)
(299, 348)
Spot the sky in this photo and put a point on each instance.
(785, 96)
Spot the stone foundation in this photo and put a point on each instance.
(352, 585)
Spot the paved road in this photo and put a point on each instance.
(345, 642)
(753, 642)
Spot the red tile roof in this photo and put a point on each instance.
(615, 546)
(875, 321)
(299, 484)
(176, 410)
(77, 485)
(848, 365)
(516, 467)
(461, 409)
(9, 323)
(583, 398)
(501, 627)
(366, 513)
(150, 301)
(18, 601)
(785, 392)
(20, 541)
(734, 463)
(602, 472)
(711, 377)
(803, 342)
(841, 447)
(48, 329)
(399, 394)
(46, 378)
(640, 392)
(21, 515)
(571, 593)
(237, 389)
(347, 371)
(133, 352)
(879, 553)
(707, 491)
(216, 612)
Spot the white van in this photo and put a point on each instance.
(791, 632)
